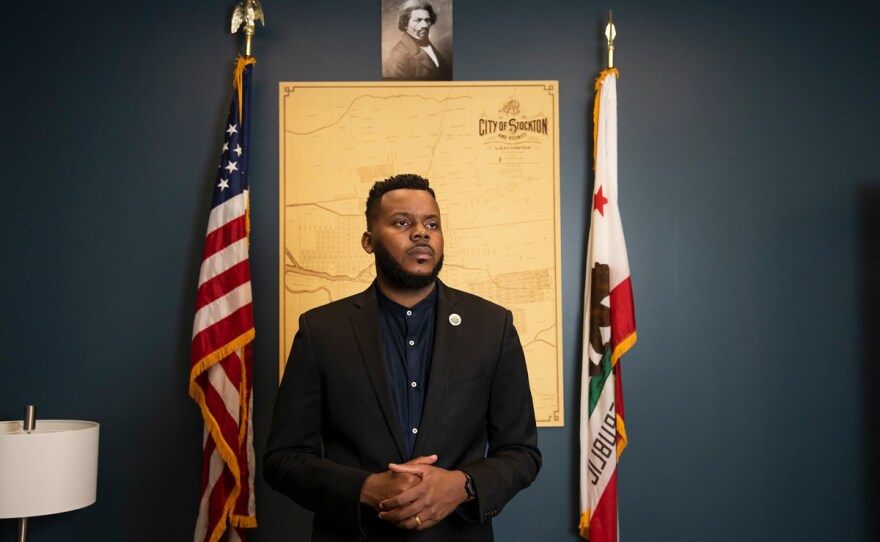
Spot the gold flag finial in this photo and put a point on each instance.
(610, 34)
(245, 14)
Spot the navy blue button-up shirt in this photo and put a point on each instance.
(408, 340)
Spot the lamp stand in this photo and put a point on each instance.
(21, 533)
(29, 423)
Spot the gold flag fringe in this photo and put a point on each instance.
(584, 525)
(213, 427)
(240, 65)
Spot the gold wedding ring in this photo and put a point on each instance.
(418, 521)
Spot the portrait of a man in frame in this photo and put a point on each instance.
(417, 40)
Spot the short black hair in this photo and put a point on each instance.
(380, 188)
(406, 9)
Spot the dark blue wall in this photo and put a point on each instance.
(748, 132)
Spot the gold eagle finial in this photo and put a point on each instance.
(245, 14)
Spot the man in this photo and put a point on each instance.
(414, 57)
(405, 410)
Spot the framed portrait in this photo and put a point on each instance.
(417, 40)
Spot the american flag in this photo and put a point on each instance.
(220, 378)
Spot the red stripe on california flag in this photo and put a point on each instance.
(623, 313)
(212, 338)
(225, 235)
(603, 521)
(223, 283)
(618, 395)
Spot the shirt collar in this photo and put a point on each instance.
(386, 304)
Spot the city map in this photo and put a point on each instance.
(491, 153)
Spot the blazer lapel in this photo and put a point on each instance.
(426, 61)
(420, 56)
(365, 325)
(446, 340)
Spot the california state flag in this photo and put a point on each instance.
(609, 323)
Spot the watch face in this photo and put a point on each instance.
(470, 488)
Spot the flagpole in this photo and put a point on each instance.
(244, 15)
(610, 34)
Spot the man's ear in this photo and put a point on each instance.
(367, 242)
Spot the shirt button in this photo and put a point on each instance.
(413, 384)
(409, 313)
(415, 430)
(412, 343)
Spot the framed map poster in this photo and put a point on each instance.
(491, 153)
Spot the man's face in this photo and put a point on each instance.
(419, 24)
(407, 239)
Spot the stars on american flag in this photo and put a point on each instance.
(232, 162)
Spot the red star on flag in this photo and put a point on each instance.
(599, 202)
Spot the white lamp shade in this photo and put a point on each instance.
(52, 469)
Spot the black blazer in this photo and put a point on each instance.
(335, 422)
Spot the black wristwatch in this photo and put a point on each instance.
(470, 487)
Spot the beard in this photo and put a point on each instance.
(421, 40)
(400, 277)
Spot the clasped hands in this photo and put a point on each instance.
(415, 494)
